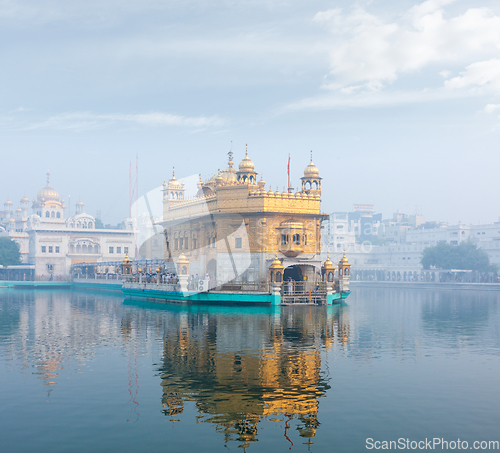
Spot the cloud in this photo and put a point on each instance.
(365, 99)
(482, 74)
(490, 108)
(371, 52)
(79, 121)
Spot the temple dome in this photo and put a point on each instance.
(246, 165)
(47, 194)
(311, 171)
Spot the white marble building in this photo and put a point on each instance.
(53, 242)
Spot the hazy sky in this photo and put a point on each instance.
(399, 100)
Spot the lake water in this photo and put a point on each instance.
(89, 372)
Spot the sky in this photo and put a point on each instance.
(398, 100)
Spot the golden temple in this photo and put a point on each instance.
(233, 227)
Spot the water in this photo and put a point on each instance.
(84, 371)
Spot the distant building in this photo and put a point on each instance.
(53, 242)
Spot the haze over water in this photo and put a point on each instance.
(85, 371)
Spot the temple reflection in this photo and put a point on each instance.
(239, 371)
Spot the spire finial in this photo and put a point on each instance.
(311, 155)
(230, 154)
(48, 176)
(246, 150)
(173, 172)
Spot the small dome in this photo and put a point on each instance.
(12, 220)
(276, 264)
(311, 170)
(328, 263)
(344, 261)
(246, 164)
(8, 203)
(25, 199)
(19, 210)
(79, 203)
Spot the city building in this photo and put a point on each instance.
(52, 240)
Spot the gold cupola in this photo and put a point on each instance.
(311, 181)
(246, 170)
(47, 193)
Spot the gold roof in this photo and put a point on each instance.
(246, 164)
(48, 193)
(8, 203)
(292, 224)
(182, 259)
(25, 199)
(344, 261)
(328, 263)
(311, 170)
(276, 264)
(126, 260)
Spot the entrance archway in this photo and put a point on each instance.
(293, 272)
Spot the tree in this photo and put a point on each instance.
(465, 256)
(98, 224)
(9, 252)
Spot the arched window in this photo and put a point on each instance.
(284, 239)
(330, 276)
(52, 214)
(308, 185)
(184, 270)
(58, 215)
(278, 276)
(84, 248)
(91, 224)
(96, 249)
(78, 248)
(346, 271)
(315, 184)
(47, 214)
(296, 239)
(71, 248)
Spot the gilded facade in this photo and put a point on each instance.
(233, 227)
